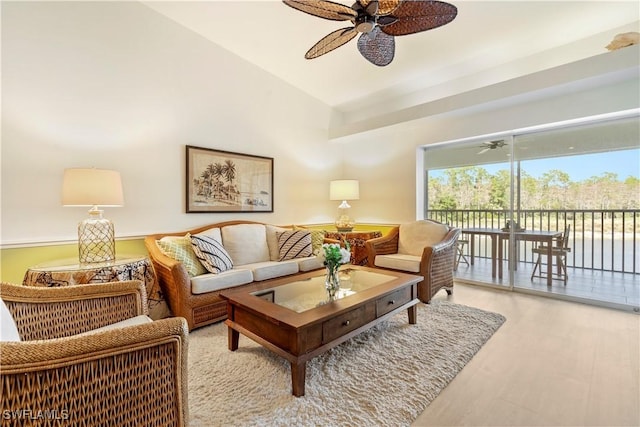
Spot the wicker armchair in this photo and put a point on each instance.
(433, 260)
(132, 376)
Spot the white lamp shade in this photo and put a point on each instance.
(344, 189)
(92, 187)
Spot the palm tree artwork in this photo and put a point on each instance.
(211, 184)
(229, 172)
(228, 182)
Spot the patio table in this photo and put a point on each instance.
(498, 236)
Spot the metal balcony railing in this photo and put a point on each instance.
(606, 240)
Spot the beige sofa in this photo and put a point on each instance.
(252, 249)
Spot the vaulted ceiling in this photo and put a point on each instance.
(488, 42)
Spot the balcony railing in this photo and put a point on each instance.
(606, 240)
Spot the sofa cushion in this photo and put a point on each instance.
(132, 321)
(272, 241)
(409, 263)
(310, 263)
(415, 236)
(8, 327)
(211, 253)
(246, 243)
(210, 282)
(272, 269)
(180, 249)
(294, 244)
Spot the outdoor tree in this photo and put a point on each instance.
(473, 188)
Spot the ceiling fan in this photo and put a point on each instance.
(491, 145)
(377, 21)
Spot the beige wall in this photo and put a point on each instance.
(116, 85)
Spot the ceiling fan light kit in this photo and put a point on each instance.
(377, 22)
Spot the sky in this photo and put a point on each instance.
(623, 163)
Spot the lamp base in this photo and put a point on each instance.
(343, 222)
(96, 239)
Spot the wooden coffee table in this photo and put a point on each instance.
(294, 318)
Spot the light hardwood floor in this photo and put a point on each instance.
(552, 363)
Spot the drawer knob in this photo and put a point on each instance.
(392, 302)
(346, 323)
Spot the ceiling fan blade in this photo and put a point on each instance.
(385, 7)
(323, 9)
(415, 16)
(484, 150)
(330, 42)
(372, 7)
(386, 20)
(377, 47)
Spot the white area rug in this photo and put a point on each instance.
(385, 376)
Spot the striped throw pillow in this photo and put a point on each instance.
(317, 237)
(211, 253)
(294, 244)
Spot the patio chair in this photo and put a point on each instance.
(426, 247)
(57, 366)
(461, 256)
(559, 251)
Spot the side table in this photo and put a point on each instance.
(64, 272)
(356, 240)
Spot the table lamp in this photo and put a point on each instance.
(93, 187)
(344, 189)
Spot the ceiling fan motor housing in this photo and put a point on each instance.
(364, 23)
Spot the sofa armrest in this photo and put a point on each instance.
(172, 277)
(134, 375)
(442, 251)
(385, 245)
(437, 264)
(37, 310)
(329, 241)
(449, 241)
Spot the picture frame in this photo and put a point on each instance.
(224, 181)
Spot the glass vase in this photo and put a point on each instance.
(332, 280)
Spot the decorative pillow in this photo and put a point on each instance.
(180, 249)
(317, 238)
(8, 328)
(294, 244)
(211, 253)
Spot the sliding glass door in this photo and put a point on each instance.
(468, 185)
(553, 209)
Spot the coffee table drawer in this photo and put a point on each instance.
(393, 301)
(347, 322)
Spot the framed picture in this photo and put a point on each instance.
(222, 181)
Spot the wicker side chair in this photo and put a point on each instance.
(60, 373)
(435, 261)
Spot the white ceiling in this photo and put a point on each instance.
(488, 42)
